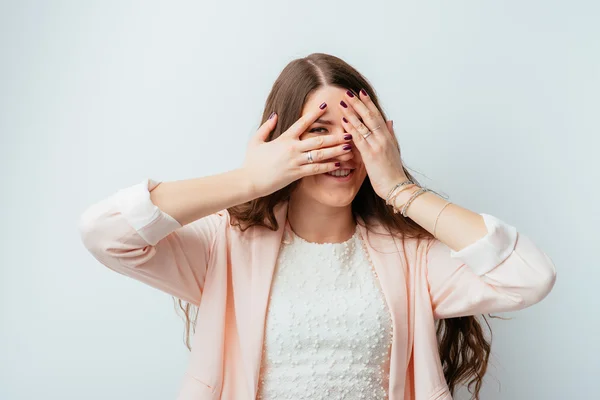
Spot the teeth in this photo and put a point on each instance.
(341, 172)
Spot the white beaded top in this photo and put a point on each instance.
(328, 329)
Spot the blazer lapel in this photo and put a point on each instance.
(386, 256)
(255, 255)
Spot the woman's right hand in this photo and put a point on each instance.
(275, 164)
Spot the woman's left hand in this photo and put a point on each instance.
(379, 151)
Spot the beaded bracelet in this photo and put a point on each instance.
(392, 201)
(388, 200)
(412, 198)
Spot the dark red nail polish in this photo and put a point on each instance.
(271, 116)
(347, 147)
(337, 164)
(344, 119)
(343, 104)
(348, 137)
(362, 91)
(322, 106)
(349, 93)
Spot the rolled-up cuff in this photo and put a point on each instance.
(151, 223)
(492, 249)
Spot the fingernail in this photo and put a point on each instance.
(347, 147)
(362, 91)
(271, 116)
(392, 123)
(344, 119)
(348, 137)
(337, 164)
(322, 106)
(349, 93)
(343, 104)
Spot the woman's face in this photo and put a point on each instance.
(324, 188)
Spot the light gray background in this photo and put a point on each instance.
(495, 103)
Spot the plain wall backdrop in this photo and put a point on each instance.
(495, 104)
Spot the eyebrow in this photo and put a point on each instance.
(323, 121)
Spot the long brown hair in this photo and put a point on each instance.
(464, 349)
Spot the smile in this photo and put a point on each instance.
(341, 174)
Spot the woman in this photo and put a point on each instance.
(321, 268)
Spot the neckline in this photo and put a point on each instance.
(294, 235)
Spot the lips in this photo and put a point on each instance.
(340, 178)
(344, 172)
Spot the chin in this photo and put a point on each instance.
(336, 199)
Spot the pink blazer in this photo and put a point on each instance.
(228, 274)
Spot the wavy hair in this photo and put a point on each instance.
(462, 344)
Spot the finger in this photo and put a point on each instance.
(344, 157)
(365, 108)
(356, 103)
(320, 155)
(320, 141)
(319, 168)
(302, 124)
(359, 141)
(375, 113)
(353, 124)
(390, 126)
(265, 129)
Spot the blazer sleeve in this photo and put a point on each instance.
(130, 235)
(502, 271)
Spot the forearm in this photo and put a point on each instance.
(456, 227)
(192, 199)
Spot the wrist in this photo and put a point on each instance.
(404, 195)
(397, 184)
(250, 185)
